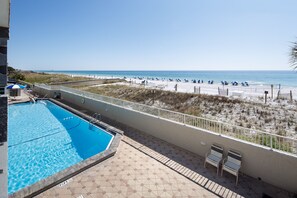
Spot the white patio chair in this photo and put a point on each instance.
(214, 157)
(232, 164)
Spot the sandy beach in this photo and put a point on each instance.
(255, 93)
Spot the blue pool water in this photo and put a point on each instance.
(44, 139)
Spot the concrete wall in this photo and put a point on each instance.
(45, 93)
(273, 167)
(3, 166)
(3, 139)
(4, 13)
(4, 36)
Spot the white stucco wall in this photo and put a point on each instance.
(4, 13)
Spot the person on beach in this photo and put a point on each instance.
(175, 87)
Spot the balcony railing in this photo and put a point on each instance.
(271, 140)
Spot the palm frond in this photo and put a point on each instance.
(294, 55)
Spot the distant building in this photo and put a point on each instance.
(4, 36)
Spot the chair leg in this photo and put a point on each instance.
(205, 164)
(222, 172)
(218, 170)
(236, 179)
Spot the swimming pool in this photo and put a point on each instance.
(44, 139)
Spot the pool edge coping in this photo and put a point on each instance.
(53, 180)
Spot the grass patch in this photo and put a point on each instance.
(33, 77)
(182, 102)
(276, 142)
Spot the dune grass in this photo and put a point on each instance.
(181, 102)
(234, 111)
(33, 77)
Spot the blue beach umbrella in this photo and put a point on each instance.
(15, 86)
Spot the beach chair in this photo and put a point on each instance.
(232, 164)
(214, 157)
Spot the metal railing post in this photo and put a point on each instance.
(220, 128)
(270, 141)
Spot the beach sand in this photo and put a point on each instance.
(251, 92)
(276, 116)
(212, 89)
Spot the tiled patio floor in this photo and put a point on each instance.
(145, 166)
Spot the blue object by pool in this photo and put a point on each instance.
(15, 86)
(44, 139)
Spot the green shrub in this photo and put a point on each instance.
(17, 76)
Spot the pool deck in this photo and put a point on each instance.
(145, 166)
(24, 97)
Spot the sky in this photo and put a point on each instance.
(152, 34)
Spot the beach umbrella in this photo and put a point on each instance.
(15, 86)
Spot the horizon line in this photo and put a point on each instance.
(158, 70)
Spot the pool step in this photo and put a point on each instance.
(95, 118)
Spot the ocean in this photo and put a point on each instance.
(285, 78)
